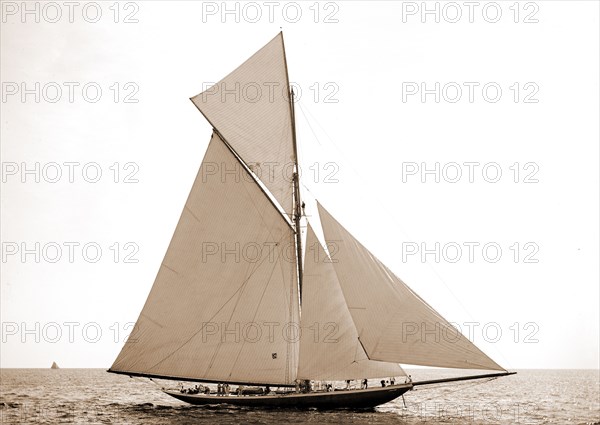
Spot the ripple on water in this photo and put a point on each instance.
(94, 396)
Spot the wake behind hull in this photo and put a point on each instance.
(345, 399)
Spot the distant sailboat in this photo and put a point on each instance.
(54, 366)
(238, 301)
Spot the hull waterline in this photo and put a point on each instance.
(341, 399)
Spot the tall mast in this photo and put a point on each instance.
(297, 201)
(297, 208)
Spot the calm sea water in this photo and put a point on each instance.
(93, 396)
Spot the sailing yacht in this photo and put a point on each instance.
(238, 301)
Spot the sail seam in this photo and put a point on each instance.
(169, 268)
(191, 212)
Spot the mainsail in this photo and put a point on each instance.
(329, 348)
(394, 324)
(226, 288)
(251, 109)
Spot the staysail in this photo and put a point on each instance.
(251, 109)
(226, 291)
(394, 324)
(329, 348)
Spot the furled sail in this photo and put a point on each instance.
(394, 324)
(329, 348)
(251, 109)
(221, 305)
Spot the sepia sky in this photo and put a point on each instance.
(463, 153)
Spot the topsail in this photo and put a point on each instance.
(251, 109)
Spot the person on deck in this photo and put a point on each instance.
(365, 384)
(383, 383)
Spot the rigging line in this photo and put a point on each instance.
(254, 177)
(260, 212)
(253, 320)
(239, 296)
(217, 348)
(245, 282)
(309, 124)
(340, 151)
(394, 220)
